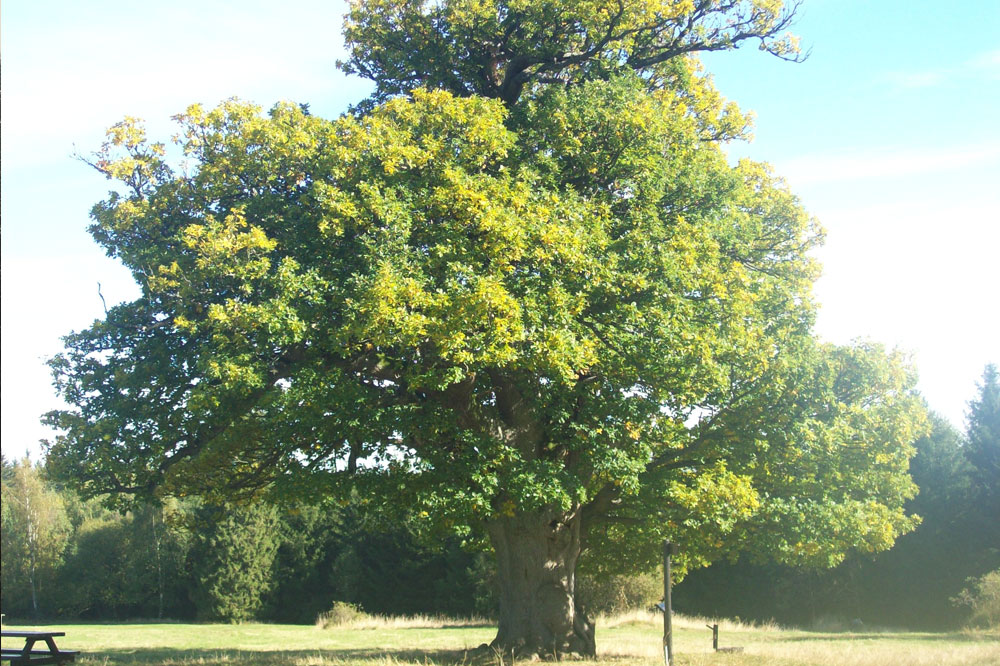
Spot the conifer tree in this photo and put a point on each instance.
(232, 561)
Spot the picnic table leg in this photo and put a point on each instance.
(25, 651)
(29, 643)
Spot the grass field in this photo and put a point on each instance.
(624, 641)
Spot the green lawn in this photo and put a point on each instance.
(625, 643)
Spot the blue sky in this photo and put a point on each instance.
(888, 132)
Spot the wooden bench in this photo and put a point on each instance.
(28, 656)
(19, 658)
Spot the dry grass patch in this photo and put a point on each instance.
(635, 639)
(873, 652)
(348, 616)
(418, 622)
(645, 618)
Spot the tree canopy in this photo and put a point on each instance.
(498, 49)
(559, 319)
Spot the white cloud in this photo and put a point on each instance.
(987, 64)
(910, 80)
(984, 65)
(920, 275)
(886, 163)
(43, 300)
(65, 85)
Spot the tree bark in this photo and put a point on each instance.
(536, 565)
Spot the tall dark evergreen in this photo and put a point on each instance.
(982, 450)
(309, 539)
(983, 439)
(233, 560)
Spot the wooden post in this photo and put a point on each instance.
(715, 636)
(668, 635)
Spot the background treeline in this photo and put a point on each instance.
(67, 558)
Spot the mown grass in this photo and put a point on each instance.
(632, 640)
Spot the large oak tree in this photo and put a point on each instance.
(520, 291)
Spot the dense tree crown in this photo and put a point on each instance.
(548, 311)
(498, 49)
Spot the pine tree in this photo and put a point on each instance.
(983, 435)
(982, 449)
(233, 561)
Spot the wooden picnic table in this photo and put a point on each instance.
(28, 656)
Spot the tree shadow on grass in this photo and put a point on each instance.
(291, 657)
(899, 637)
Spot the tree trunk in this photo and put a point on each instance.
(34, 597)
(32, 552)
(536, 565)
(158, 510)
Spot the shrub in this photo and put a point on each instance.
(341, 614)
(618, 594)
(982, 596)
